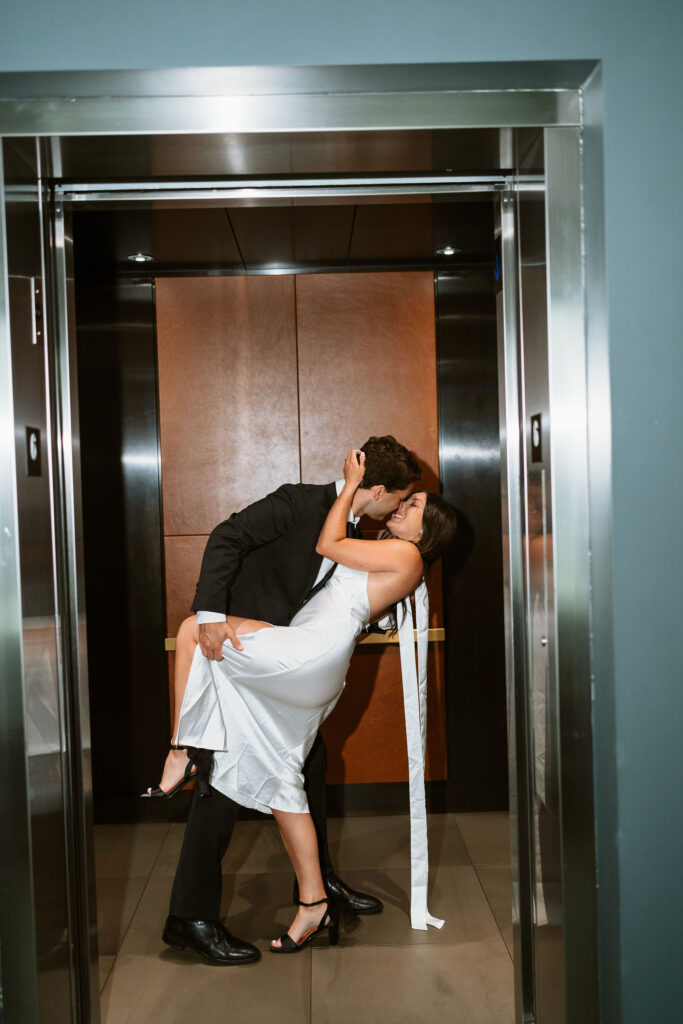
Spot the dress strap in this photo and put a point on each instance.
(415, 708)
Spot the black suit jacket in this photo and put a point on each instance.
(261, 562)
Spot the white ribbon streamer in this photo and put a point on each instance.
(415, 707)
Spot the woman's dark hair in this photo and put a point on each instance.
(439, 526)
(390, 463)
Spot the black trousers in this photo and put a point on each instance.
(198, 881)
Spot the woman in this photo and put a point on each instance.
(260, 707)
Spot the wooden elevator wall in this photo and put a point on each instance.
(269, 379)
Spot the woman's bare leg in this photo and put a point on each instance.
(301, 843)
(186, 642)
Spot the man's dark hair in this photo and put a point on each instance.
(390, 463)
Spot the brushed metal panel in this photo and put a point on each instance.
(42, 683)
(600, 512)
(227, 395)
(509, 390)
(71, 598)
(121, 494)
(18, 981)
(470, 478)
(248, 154)
(293, 99)
(293, 80)
(572, 558)
(542, 678)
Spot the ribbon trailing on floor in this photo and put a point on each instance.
(415, 707)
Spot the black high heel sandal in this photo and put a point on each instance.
(288, 944)
(202, 760)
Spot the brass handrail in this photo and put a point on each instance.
(434, 636)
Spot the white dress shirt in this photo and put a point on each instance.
(325, 565)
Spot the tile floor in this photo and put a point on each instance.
(380, 970)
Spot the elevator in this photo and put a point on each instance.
(522, 166)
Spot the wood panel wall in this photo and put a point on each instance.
(268, 379)
(228, 409)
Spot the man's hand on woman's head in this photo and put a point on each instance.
(354, 467)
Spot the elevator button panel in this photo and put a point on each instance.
(33, 464)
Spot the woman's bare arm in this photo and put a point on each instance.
(366, 555)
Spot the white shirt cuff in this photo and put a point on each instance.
(203, 617)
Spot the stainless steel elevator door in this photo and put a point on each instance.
(43, 724)
(541, 691)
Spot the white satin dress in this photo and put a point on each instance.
(260, 708)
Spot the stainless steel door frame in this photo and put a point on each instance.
(18, 981)
(71, 598)
(572, 545)
(293, 99)
(48, 948)
(512, 503)
(570, 630)
(546, 95)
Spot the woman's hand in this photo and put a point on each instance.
(354, 468)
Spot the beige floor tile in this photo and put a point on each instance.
(123, 851)
(455, 895)
(470, 983)
(368, 842)
(497, 885)
(171, 988)
(117, 900)
(143, 937)
(255, 907)
(105, 965)
(487, 837)
(259, 907)
(255, 846)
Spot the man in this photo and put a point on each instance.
(262, 563)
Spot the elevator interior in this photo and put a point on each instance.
(135, 189)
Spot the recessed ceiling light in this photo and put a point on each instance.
(140, 257)
(448, 250)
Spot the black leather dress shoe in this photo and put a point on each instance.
(345, 897)
(210, 939)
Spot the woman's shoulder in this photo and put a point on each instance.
(405, 553)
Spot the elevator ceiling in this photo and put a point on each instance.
(370, 232)
(272, 239)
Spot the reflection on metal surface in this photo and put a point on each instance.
(121, 495)
(264, 100)
(69, 529)
(469, 458)
(19, 968)
(547, 594)
(571, 557)
(513, 587)
(46, 943)
(542, 696)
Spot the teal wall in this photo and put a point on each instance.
(638, 724)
